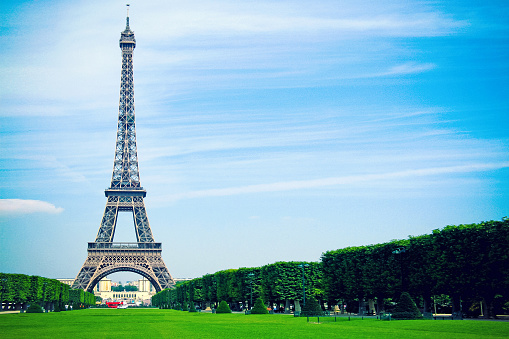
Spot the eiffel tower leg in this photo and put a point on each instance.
(86, 273)
(141, 224)
(161, 272)
(109, 220)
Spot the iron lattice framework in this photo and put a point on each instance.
(125, 194)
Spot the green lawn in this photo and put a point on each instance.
(149, 323)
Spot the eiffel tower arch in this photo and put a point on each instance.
(125, 194)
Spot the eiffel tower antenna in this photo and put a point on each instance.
(125, 194)
(127, 17)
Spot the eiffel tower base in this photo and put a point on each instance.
(107, 258)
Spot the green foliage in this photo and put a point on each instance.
(225, 285)
(259, 307)
(127, 288)
(35, 289)
(64, 293)
(77, 296)
(89, 299)
(283, 280)
(312, 307)
(20, 288)
(223, 307)
(406, 308)
(81, 299)
(34, 308)
(471, 261)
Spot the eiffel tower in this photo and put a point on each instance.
(125, 195)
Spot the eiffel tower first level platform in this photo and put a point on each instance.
(125, 194)
(107, 258)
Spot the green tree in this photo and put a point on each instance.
(56, 307)
(225, 284)
(259, 307)
(282, 281)
(312, 308)
(406, 308)
(223, 307)
(420, 264)
(34, 308)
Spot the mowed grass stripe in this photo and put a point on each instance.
(148, 323)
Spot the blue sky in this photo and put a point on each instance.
(267, 131)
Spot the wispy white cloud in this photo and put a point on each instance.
(19, 206)
(397, 70)
(233, 18)
(180, 41)
(409, 68)
(335, 181)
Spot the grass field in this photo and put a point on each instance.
(150, 323)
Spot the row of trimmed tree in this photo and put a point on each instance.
(17, 291)
(468, 263)
(277, 283)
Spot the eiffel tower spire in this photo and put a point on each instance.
(125, 166)
(125, 194)
(127, 18)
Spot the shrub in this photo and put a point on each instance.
(406, 308)
(259, 307)
(192, 308)
(35, 308)
(311, 308)
(223, 307)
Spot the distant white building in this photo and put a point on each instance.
(103, 290)
(142, 296)
(66, 281)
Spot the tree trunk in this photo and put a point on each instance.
(362, 306)
(380, 304)
(488, 307)
(426, 311)
(371, 306)
(287, 306)
(456, 307)
(297, 306)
